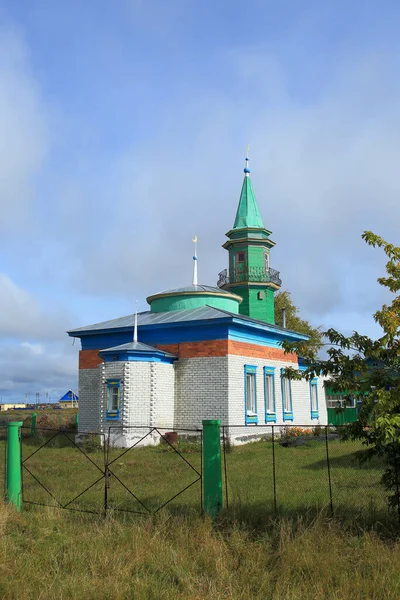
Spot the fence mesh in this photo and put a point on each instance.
(165, 472)
(268, 470)
(60, 473)
(294, 470)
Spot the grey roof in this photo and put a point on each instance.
(136, 347)
(177, 316)
(193, 288)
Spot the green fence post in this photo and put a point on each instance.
(14, 479)
(33, 424)
(212, 467)
(76, 421)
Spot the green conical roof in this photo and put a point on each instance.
(248, 213)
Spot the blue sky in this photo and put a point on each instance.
(123, 128)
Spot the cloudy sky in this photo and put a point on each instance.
(123, 127)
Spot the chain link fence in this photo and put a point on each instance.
(267, 470)
(296, 470)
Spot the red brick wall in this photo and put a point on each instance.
(224, 347)
(89, 359)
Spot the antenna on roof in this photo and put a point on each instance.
(195, 281)
(135, 326)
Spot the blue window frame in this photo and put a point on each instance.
(250, 394)
(314, 398)
(269, 395)
(287, 404)
(113, 399)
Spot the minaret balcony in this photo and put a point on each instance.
(249, 274)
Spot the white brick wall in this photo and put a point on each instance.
(201, 390)
(90, 393)
(300, 393)
(183, 394)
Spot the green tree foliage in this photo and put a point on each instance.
(370, 369)
(294, 321)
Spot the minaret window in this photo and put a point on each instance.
(266, 261)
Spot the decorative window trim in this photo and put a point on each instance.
(288, 414)
(314, 385)
(270, 416)
(250, 418)
(113, 415)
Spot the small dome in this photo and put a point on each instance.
(194, 296)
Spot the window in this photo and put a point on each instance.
(241, 257)
(314, 398)
(266, 261)
(250, 394)
(269, 394)
(113, 398)
(287, 407)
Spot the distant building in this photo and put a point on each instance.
(4, 407)
(69, 400)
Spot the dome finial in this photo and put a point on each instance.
(195, 281)
(246, 169)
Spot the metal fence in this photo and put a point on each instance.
(278, 471)
(296, 470)
(92, 475)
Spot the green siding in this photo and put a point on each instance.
(347, 415)
(183, 302)
(253, 307)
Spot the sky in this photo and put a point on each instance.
(123, 130)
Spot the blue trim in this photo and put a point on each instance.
(314, 413)
(232, 327)
(269, 417)
(287, 415)
(250, 419)
(128, 356)
(113, 415)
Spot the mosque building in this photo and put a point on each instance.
(200, 352)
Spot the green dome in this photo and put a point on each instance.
(194, 296)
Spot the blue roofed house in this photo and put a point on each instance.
(200, 352)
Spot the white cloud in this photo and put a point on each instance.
(23, 133)
(24, 318)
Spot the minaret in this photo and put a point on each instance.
(250, 274)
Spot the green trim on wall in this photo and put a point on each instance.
(185, 301)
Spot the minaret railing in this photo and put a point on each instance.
(250, 274)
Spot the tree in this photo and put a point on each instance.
(370, 369)
(294, 321)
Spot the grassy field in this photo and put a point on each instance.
(144, 479)
(54, 554)
(176, 554)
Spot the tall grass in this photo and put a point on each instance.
(51, 554)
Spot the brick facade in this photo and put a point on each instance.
(224, 347)
(89, 359)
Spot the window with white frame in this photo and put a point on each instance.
(113, 398)
(250, 394)
(269, 392)
(266, 261)
(286, 397)
(314, 398)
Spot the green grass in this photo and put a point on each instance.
(176, 554)
(146, 478)
(54, 554)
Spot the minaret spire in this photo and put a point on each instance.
(195, 281)
(246, 168)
